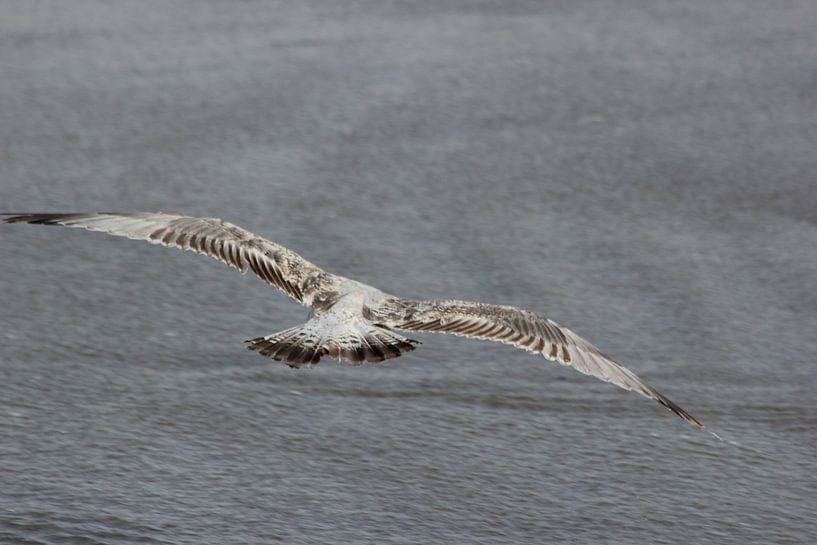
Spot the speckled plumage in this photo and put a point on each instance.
(351, 321)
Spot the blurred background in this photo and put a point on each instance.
(644, 172)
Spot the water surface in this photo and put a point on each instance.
(643, 172)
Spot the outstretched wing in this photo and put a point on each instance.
(522, 329)
(224, 241)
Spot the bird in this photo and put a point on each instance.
(351, 321)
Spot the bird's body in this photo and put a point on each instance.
(349, 320)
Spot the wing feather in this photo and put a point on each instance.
(216, 238)
(522, 329)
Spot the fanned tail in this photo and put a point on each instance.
(354, 344)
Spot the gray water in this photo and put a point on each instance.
(644, 172)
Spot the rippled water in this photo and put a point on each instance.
(643, 172)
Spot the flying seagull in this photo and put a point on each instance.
(351, 321)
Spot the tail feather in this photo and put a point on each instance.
(352, 343)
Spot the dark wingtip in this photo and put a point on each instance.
(52, 218)
(43, 219)
(666, 402)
